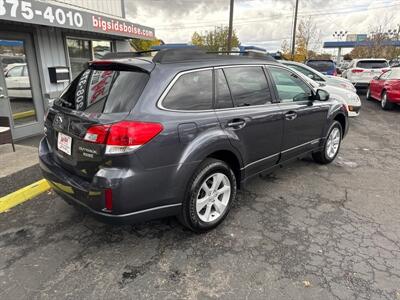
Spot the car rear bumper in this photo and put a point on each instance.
(130, 201)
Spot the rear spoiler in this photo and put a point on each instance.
(120, 66)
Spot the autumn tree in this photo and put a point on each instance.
(215, 40)
(307, 38)
(143, 45)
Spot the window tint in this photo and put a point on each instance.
(104, 91)
(290, 87)
(192, 91)
(248, 86)
(307, 72)
(222, 93)
(15, 72)
(321, 65)
(372, 64)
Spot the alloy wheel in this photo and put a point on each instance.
(333, 142)
(384, 100)
(213, 197)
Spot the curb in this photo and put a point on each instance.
(9, 201)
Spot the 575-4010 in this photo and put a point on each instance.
(16, 8)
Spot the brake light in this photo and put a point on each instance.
(357, 71)
(123, 136)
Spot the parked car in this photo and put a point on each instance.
(361, 71)
(340, 87)
(17, 81)
(132, 139)
(394, 63)
(11, 59)
(386, 88)
(325, 66)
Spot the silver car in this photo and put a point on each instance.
(339, 87)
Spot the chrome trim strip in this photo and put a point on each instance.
(170, 85)
(123, 215)
(298, 146)
(257, 161)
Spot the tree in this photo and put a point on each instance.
(144, 45)
(307, 37)
(215, 40)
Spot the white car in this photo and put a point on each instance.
(361, 71)
(319, 77)
(332, 85)
(17, 81)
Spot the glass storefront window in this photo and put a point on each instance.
(81, 51)
(79, 54)
(100, 48)
(15, 70)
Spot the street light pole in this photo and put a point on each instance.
(230, 30)
(294, 27)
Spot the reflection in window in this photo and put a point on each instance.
(79, 54)
(101, 48)
(192, 91)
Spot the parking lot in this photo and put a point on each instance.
(305, 231)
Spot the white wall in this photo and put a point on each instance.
(108, 7)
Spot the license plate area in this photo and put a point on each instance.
(64, 143)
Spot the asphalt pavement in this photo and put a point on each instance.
(305, 231)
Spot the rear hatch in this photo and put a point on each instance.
(367, 69)
(323, 66)
(100, 96)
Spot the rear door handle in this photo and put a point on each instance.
(291, 115)
(236, 123)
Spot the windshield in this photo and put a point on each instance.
(321, 65)
(104, 91)
(372, 64)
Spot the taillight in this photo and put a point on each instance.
(357, 71)
(123, 136)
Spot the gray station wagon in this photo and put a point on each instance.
(134, 137)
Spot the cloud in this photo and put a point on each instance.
(260, 22)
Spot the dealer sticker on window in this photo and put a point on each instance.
(64, 143)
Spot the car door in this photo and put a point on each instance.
(380, 84)
(247, 113)
(304, 119)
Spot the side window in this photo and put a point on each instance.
(15, 72)
(307, 72)
(385, 75)
(248, 86)
(290, 87)
(192, 91)
(222, 94)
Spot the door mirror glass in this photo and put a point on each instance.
(322, 95)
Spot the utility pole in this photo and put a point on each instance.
(294, 28)
(230, 26)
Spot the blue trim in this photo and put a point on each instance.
(349, 44)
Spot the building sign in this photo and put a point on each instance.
(356, 37)
(41, 13)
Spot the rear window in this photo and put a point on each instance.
(104, 91)
(372, 64)
(321, 65)
(192, 91)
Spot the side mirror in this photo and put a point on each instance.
(322, 95)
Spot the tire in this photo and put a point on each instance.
(385, 103)
(216, 205)
(325, 155)
(368, 95)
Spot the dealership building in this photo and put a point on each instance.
(45, 44)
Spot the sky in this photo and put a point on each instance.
(264, 23)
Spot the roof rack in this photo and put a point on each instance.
(116, 55)
(181, 55)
